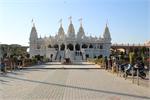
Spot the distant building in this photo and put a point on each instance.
(75, 45)
(147, 43)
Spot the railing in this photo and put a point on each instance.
(135, 78)
(129, 44)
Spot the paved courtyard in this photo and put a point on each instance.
(68, 84)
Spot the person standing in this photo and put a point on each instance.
(106, 63)
(110, 63)
(19, 62)
(3, 67)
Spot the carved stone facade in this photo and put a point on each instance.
(80, 46)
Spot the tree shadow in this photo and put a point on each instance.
(4, 82)
(82, 88)
(33, 69)
(17, 73)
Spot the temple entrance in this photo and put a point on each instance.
(91, 46)
(62, 47)
(77, 47)
(70, 47)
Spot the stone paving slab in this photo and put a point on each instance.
(60, 84)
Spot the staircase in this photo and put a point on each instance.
(74, 56)
(56, 55)
(59, 54)
(78, 56)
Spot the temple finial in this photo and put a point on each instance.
(33, 23)
(80, 21)
(60, 21)
(107, 22)
(70, 18)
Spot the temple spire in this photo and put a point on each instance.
(71, 31)
(80, 33)
(106, 33)
(61, 32)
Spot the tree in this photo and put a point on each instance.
(132, 57)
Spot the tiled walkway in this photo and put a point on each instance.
(70, 84)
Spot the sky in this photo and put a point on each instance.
(128, 20)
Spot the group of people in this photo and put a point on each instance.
(11, 63)
(108, 63)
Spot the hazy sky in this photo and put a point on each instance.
(127, 19)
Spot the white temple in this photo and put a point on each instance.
(76, 46)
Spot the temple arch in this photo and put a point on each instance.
(56, 46)
(49, 46)
(90, 46)
(84, 46)
(62, 47)
(70, 46)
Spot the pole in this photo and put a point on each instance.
(117, 69)
(125, 73)
(120, 71)
(132, 76)
(138, 76)
(5, 68)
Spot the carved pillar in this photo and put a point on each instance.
(80, 46)
(96, 46)
(74, 47)
(88, 45)
(65, 46)
(59, 47)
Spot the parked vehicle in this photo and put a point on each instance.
(132, 70)
(122, 67)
